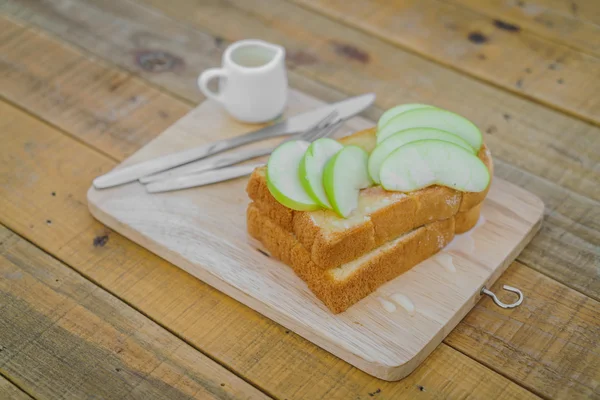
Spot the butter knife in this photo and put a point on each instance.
(345, 109)
(207, 164)
(202, 179)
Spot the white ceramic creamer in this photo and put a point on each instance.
(252, 81)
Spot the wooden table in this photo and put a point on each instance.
(85, 313)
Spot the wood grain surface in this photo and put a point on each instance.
(63, 337)
(274, 359)
(535, 140)
(148, 37)
(129, 261)
(203, 231)
(574, 23)
(284, 365)
(557, 329)
(485, 47)
(520, 132)
(571, 219)
(356, 62)
(9, 391)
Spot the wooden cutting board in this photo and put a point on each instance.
(203, 231)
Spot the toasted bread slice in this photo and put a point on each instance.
(381, 216)
(340, 287)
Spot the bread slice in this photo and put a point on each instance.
(381, 216)
(466, 220)
(340, 287)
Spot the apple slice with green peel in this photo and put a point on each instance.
(344, 175)
(401, 138)
(312, 166)
(433, 162)
(394, 111)
(433, 118)
(283, 179)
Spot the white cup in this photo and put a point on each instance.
(253, 81)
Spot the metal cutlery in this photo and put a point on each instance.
(224, 160)
(292, 125)
(227, 173)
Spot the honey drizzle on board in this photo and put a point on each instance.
(443, 258)
(404, 302)
(387, 305)
(464, 241)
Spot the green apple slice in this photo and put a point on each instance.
(433, 118)
(394, 111)
(344, 175)
(283, 179)
(312, 166)
(433, 162)
(401, 138)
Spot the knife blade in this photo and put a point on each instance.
(202, 179)
(345, 109)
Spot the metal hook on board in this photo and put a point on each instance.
(517, 303)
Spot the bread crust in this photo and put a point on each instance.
(466, 220)
(382, 216)
(337, 289)
(344, 260)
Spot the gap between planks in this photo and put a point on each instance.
(442, 347)
(454, 66)
(112, 156)
(58, 128)
(499, 371)
(475, 360)
(573, 23)
(79, 275)
(11, 389)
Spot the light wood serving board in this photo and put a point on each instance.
(203, 231)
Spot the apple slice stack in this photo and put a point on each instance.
(417, 146)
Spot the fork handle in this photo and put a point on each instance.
(202, 179)
(210, 163)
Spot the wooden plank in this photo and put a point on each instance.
(8, 391)
(566, 249)
(568, 246)
(282, 363)
(457, 37)
(204, 232)
(518, 131)
(108, 116)
(173, 298)
(573, 23)
(587, 10)
(142, 37)
(63, 337)
(550, 344)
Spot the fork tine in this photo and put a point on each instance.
(314, 128)
(312, 135)
(322, 132)
(333, 116)
(328, 130)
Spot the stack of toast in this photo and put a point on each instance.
(343, 260)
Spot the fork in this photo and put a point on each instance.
(231, 158)
(224, 174)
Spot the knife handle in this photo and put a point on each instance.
(163, 163)
(202, 179)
